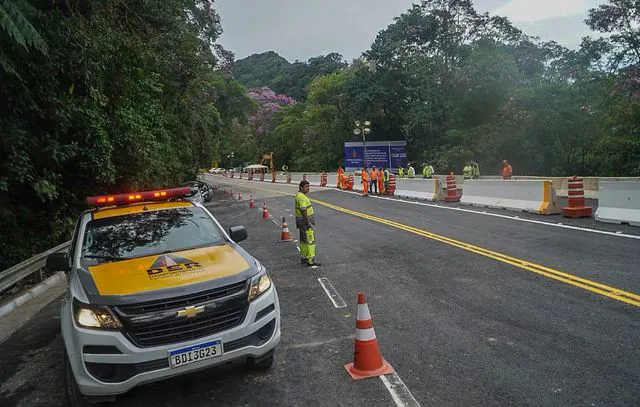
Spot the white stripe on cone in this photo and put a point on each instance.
(368, 334)
(363, 312)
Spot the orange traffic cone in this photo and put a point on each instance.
(285, 236)
(265, 212)
(252, 203)
(367, 360)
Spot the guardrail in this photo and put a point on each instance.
(33, 266)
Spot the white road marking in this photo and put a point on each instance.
(332, 293)
(399, 391)
(320, 343)
(496, 215)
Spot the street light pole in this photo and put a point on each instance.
(363, 130)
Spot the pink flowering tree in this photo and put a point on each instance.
(269, 102)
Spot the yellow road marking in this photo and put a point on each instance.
(593, 286)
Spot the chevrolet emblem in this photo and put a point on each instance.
(190, 311)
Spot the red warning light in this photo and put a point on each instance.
(158, 195)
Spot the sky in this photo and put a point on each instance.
(301, 29)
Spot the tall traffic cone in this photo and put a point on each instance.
(285, 236)
(265, 212)
(367, 360)
(252, 203)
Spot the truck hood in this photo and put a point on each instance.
(167, 271)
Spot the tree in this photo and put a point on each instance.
(17, 30)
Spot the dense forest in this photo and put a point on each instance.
(115, 95)
(105, 96)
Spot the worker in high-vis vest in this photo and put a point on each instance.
(476, 169)
(507, 170)
(365, 181)
(427, 171)
(305, 222)
(373, 177)
(400, 172)
(341, 178)
(380, 181)
(411, 172)
(387, 175)
(467, 171)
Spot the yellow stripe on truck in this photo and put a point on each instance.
(167, 270)
(138, 207)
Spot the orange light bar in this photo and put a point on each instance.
(158, 195)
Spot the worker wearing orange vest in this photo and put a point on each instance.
(380, 181)
(365, 182)
(507, 171)
(373, 176)
(341, 179)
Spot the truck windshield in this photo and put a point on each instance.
(148, 233)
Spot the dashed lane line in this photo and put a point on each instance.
(399, 391)
(332, 293)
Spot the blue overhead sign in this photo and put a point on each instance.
(385, 154)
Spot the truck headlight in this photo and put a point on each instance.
(259, 284)
(91, 316)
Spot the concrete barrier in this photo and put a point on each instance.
(429, 189)
(619, 202)
(522, 195)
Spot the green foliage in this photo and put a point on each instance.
(131, 95)
(458, 85)
(271, 70)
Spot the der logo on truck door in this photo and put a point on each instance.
(168, 265)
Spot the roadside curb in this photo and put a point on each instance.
(32, 293)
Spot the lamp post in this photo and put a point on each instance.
(230, 157)
(364, 130)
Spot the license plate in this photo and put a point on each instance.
(195, 353)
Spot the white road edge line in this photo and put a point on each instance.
(332, 293)
(398, 390)
(497, 215)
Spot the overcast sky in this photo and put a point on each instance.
(301, 29)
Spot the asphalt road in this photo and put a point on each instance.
(460, 325)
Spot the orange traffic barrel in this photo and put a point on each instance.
(452, 189)
(392, 185)
(350, 182)
(577, 206)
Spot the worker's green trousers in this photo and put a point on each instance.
(307, 245)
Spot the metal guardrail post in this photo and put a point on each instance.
(33, 266)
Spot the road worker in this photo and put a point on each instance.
(341, 179)
(411, 172)
(427, 171)
(476, 169)
(380, 181)
(400, 172)
(305, 222)
(387, 175)
(507, 171)
(467, 171)
(365, 181)
(373, 177)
